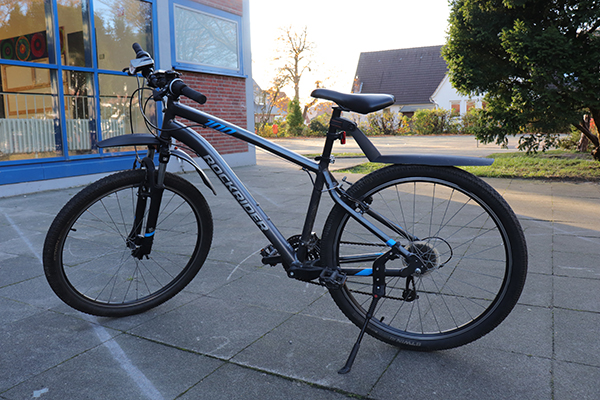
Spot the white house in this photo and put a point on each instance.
(446, 97)
(417, 77)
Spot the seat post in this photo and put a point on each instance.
(330, 139)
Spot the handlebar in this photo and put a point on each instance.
(178, 87)
(139, 52)
(168, 80)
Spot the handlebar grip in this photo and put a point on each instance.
(178, 87)
(139, 52)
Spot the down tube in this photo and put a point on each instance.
(237, 189)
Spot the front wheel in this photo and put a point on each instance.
(470, 242)
(88, 257)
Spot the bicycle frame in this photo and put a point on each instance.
(324, 181)
(219, 166)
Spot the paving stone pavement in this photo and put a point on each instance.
(241, 330)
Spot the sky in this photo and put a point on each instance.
(340, 31)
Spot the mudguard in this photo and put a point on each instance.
(136, 139)
(420, 159)
(147, 139)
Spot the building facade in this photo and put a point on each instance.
(63, 89)
(448, 98)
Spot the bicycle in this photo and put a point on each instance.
(419, 254)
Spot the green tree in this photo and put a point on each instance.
(536, 61)
(295, 123)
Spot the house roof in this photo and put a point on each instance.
(411, 75)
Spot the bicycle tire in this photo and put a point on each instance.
(472, 244)
(90, 267)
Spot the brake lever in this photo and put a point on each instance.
(159, 94)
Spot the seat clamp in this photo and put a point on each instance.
(343, 124)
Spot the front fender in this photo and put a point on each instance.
(185, 157)
(136, 139)
(147, 139)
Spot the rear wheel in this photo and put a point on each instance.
(471, 245)
(88, 260)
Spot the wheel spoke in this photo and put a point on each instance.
(98, 272)
(464, 248)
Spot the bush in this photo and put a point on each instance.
(433, 122)
(472, 122)
(319, 125)
(386, 123)
(267, 129)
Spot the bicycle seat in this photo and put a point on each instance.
(360, 103)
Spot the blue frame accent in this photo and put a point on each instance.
(65, 165)
(183, 66)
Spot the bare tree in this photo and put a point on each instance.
(295, 52)
(269, 100)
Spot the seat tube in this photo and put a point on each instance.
(315, 198)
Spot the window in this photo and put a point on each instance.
(79, 103)
(61, 85)
(205, 39)
(28, 114)
(455, 107)
(470, 105)
(120, 23)
(115, 117)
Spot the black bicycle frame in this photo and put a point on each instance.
(219, 166)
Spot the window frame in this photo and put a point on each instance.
(213, 12)
(68, 164)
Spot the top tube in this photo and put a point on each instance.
(210, 121)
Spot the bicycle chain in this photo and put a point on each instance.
(360, 291)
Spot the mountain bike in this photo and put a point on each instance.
(419, 254)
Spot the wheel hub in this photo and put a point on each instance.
(431, 252)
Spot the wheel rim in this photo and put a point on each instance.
(98, 265)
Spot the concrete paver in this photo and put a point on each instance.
(242, 330)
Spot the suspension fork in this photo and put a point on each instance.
(152, 189)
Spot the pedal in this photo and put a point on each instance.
(270, 256)
(332, 278)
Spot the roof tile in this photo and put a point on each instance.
(411, 75)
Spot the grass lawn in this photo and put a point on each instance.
(555, 165)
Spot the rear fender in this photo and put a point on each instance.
(419, 159)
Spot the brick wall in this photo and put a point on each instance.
(226, 95)
(227, 100)
(232, 6)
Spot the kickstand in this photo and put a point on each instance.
(378, 292)
(354, 351)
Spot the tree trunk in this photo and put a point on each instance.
(596, 116)
(583, 143)
(583, 128)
